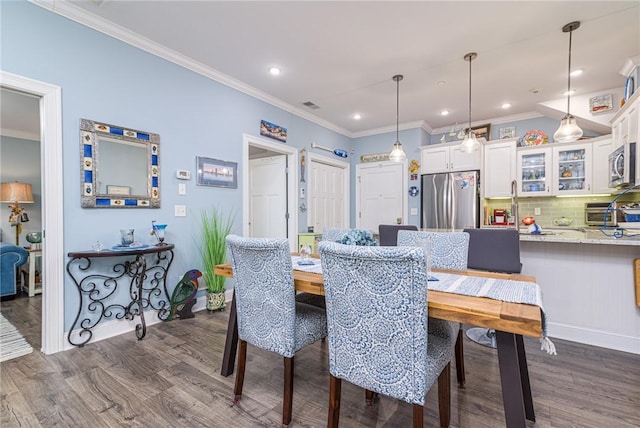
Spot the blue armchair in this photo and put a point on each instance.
(11, 258)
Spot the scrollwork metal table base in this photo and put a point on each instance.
(98, 291)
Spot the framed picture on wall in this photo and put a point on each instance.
(482, 131)
(507, 132)
(216, 173)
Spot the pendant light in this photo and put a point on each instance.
(397, 154)
(569, 131)
(470, 143)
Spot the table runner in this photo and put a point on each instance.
(511, 291)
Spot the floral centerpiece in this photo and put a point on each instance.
(358, 237)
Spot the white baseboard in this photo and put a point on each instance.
(111, 328)
(595, 337)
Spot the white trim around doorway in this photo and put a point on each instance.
(52, 205)
(314, 157)
(292, 184)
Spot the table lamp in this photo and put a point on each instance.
(16, 193)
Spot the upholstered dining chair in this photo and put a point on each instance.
(494, 250)
(388, 233)
(268, 315)
(378, 327)
(449, 250)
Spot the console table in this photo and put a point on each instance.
(143, 270)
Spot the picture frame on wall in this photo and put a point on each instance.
(482, 131)
(600, 104)
(507, 132)
(216, 173)
(274, 131)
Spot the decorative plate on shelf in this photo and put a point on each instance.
(533, 138)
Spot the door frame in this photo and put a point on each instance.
(346, 166)
(53, 261)
(292, 184)
(404, 190)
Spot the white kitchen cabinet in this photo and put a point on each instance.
(625, 127)
(499, 167)
(572, 169)
(534, 173)
(600, 150)
(448, 157)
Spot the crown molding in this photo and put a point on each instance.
(494, 121)
(390, 128)
(629, 65)
(81, 16)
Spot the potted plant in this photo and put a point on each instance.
(215, 228)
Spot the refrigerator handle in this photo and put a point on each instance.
(451, 205)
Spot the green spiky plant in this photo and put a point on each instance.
(215, 228)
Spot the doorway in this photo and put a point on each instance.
(328, 193)
(252, 144)
(381, 194)
(53, 261)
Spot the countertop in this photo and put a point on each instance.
(568, 235)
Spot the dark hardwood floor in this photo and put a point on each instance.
(171, 379)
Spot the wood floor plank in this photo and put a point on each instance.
(171, 378)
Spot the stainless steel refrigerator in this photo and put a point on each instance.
(451, 200)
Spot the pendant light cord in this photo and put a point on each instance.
(470, 59)
(398, 109)
(569, 74)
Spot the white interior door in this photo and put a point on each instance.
(328, 189)
(380, 194)
(268, 201)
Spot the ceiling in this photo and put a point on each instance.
(342, 55)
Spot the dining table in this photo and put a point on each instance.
(511, 321)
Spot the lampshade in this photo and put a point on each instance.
(569, 131)
(16, 192)
(397, 154)
(470, 143)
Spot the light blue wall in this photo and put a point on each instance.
(109, 81)
(20, 161)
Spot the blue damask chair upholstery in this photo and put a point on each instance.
(333, 234)
(11, 258)
(449, 250)
(377, 323)
(268, 315)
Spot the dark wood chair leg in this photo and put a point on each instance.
(231, 342)
(460, 358)
(287, 403)
(369, 397)
(242, 362)
(335, 387)
(418, 416)
(444, 396)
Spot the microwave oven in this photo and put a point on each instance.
(622, 166)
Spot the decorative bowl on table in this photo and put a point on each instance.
(562, 221)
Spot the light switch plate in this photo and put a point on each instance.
(182, 189)
(536, 211)
(414, 211)
(180, 210)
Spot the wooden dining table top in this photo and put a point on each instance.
(517, 318)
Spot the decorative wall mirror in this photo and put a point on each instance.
(119, 166)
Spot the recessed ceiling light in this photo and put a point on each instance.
(577, 72)
(506, 105)
(571, 92)
(444, 113)
(441, 82)
(275, 71)
(357, 116)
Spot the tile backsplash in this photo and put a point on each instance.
(553, 207)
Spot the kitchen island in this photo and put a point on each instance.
(587, 281)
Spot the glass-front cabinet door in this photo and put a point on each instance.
(534, 172)
(572, 169)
